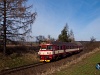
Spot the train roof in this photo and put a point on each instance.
(60, 43)
(78, 43)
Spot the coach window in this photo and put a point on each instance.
(70, 47)
(66, 47)
(60, 47)
(57, 47)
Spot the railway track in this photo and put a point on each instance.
(8, 71)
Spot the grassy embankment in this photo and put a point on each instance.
(84, 67)
(19, 57)
(15, 60)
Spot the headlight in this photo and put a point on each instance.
(39, 53)
(48, 52)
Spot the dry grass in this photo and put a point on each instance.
(15, 60)
(18, 55)
(31, 57)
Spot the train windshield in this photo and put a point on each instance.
(46, 47)
(49, 47)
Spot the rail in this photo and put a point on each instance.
(7, 71)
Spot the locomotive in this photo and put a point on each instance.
(54, 50)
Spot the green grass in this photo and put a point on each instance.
(85, 67)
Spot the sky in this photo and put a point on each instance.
(82, 16)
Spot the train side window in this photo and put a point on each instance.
(57, 47)
(70, 47)
(60, 47)
(63, 47)
(67, 47)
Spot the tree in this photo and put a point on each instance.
(64, 36)
(92, 39)
(40, 38)
(50, 38)
(15, 20)
(71, 36)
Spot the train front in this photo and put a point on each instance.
(46, 52)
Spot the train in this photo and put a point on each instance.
(54, 50)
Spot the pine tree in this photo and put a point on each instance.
(71, 36)
(64, 37)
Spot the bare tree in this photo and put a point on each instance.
(71, 36)
(40, 39)
(92, 39)
(50, 38)
(15, 20)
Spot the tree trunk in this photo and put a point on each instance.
(4, 26)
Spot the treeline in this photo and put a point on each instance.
(66, 35)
